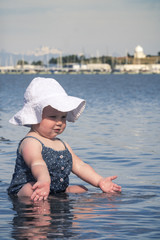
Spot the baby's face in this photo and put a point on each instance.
(53, 123)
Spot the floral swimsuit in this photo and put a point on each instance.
(59, 165)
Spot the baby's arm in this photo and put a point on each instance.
(42, 187)
(88, 174)
(31, 151)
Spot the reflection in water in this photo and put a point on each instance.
(41, 220)
(94, 214)
(59, 216)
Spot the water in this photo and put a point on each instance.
(118, 134)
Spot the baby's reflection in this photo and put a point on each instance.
(59, 216)
(42, 220)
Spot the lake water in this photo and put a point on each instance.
(118, 134)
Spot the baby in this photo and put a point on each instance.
(44, 162)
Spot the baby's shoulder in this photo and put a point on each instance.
(30, 143)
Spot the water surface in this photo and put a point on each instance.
(118, 134)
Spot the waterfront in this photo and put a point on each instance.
(118, 134)
(74, 68)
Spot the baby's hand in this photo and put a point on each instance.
(107, 186)
(40, 191)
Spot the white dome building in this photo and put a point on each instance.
(138, 52)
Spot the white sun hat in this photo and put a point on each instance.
(43, 92)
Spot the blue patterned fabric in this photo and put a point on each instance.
(59, 165)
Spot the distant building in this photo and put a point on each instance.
(140, 63)
(138, 52)
(99, 67)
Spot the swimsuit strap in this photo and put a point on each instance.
(62, 142)
(41, 142)
(32, 137)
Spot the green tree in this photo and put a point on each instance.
(53, 61)
(71, 59)
(22, 62)
(38, 63)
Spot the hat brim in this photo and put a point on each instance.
(32, 114)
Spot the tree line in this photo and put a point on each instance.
(70, 59)
(63, 60)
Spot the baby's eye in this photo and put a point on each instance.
(53, 117)
(64, 117)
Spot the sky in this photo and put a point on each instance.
(90, 27)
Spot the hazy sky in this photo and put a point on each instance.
(80, 26)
